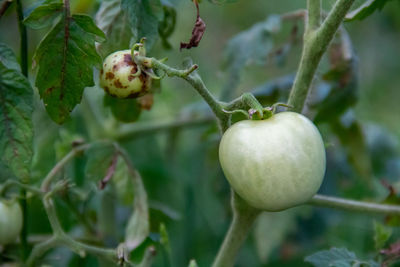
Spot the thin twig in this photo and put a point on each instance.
(60, 238)
(13, 183)
(354, 205)
(60, 165)
(144, 129)
(295, 15)
(194, 80)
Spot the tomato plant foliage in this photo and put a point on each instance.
(65, 59)
(140, 180)
(16, 110)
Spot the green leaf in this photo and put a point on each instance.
(342, 83)
(143, 17)
(123, 183)
(339, 90)
(16, 106)
(351, 136)
(66, 57)
(273, 91)
(65, 142)
(283, 224)
(382, 235)
(44, 15)
(250, 47)
(338, 257)
(125, 110)
(167, 26)
(113, 21)
(392, 199)
(138, 227)
(7, 57)
(253, 45)
(88, 25)
(165, 210)
(366, 9)
(100, 158)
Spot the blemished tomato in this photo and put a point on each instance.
(120, 78)
(276, 163)
(10, 221)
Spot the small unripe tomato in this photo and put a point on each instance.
(276, 163)
(10, 221)
(119, 76)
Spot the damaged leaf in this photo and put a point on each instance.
(197, 32)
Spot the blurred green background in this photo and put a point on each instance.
(186, 188)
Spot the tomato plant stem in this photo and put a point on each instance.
(197, 83)
(314, 14)
(245, 102)
(41, 248)
(353, 205)
(60, 238)
(9, 183)
(316, 41)
(143, 129)
(243, 219)
(23, 39)
(315, 44)
(58, 167)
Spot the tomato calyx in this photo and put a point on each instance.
(249, 106)
(267, 112)
(143, 63)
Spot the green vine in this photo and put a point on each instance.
(59, 237)
(317, 37)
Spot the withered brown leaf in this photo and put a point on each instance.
(197, 32)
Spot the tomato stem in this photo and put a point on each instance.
(353, 205)
(60, 238)
(243, 219)
(60, 165)
(144, 129)
(197, 83)
(314, 14)
(316, 41)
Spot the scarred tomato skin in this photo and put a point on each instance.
(10, 221)
(274, 164)
(118, 79)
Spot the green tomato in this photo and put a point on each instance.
(118, 76)
(274, 164)
(10, 221)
